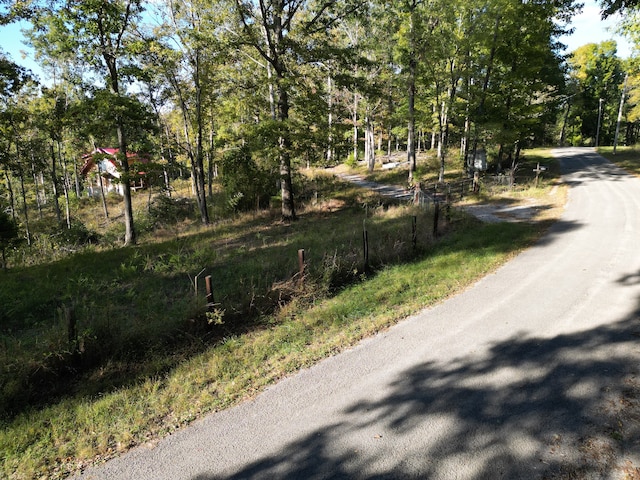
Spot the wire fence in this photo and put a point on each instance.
(444, 192)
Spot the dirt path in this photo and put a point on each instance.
(486, 212)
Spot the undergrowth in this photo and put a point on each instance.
(117, 347)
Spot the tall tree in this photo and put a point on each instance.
(598, 73)
(13, 117)
(409, 25)
(280, 31)
(97, 32)
(188, 46)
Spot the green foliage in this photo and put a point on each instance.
(76, 235)
(246, 184)
(8, 234)
(215, 317)
(12, 77)
(101, 109)
(610, 7)
(351, 161)
(53, 240)
(166, 210)
(597, 76)
(145, 392)
(8, 229)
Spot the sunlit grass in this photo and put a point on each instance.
(129, 399)
(625, 157)
(76, 430)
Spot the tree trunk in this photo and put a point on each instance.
(211, 159)
(54, 183)
(485, 85)
(12, 198)
(202, 197)
(443, 124)
(272, 99)
(464, 144)
(284, 145)
(369, 144)
(37, 188)
(355, 127)
(76, 179)
(411, 87)
(65, 186)
(25, 207)
(564, 124)
(130, 231)
(103, 196)
(411, 142)
(448, 106)
(330, 120)
(170, 159)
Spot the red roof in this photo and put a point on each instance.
(89, 158)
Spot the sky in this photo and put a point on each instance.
(589, 28)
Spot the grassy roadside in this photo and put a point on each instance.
(625, 157)
(62, 437)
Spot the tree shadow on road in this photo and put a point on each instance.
(590, 166)
(526, 408)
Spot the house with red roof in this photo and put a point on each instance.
(102, 166)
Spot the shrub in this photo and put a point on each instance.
(8, 234)
(351, 161)
(78, 234)
(58, 236)
(246, 185)
(169, 211)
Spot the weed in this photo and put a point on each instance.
(215, 317)
(145, 357)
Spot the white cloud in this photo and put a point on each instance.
(590, 28)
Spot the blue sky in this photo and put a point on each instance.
(589, 28)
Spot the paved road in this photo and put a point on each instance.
(505, 380)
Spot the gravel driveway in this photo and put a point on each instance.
(530, 373)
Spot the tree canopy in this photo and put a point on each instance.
(610, 7)
(292, 83)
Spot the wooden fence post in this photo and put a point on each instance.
(71, 325)
(301, 262)
(209, 286)
(436, 214)
(414, 231)
(365, 240)
(72, 328)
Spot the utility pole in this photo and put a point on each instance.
(624, 88)
(599, 120)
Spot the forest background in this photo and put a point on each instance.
(235, 106)
(214, 91)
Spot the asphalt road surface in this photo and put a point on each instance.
(517, 377)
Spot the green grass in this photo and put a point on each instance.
(59, 437)
(625, 157)
(150, 363)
